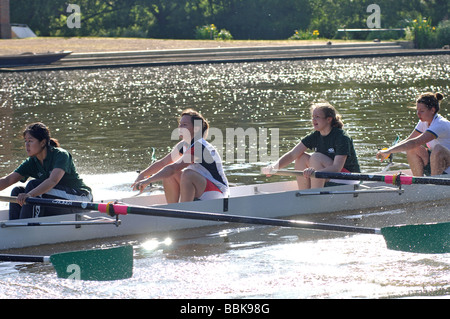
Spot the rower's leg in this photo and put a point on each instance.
(319, 161)
(300, 164)
(192, 185)
(439, 159)
(418, 158)
(172, 188)
(14, 208)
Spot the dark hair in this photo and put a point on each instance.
(329, 111)
(197, 116)
(430, 100)
(40, 132)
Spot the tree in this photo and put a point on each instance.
(255, 19)
(245, 19)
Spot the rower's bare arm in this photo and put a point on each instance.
(155, 167)
(49, 183)
(291, 156)
(416, 139)
(9, 180)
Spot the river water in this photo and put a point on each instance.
(114, 120)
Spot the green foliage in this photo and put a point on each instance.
(245, 19)
(133, 31)
(424, 34)
(386, 35)
(206, 32)
(443, 33)
(305, 35)
(210, 32)
(257, 19)
(224, 35)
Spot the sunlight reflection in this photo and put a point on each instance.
(153, 244)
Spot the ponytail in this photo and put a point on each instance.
(54, 142)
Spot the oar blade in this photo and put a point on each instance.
(424, 238)
(98, 264)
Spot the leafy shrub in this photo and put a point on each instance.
(423, 33)
(224, 35)
(443, 33)
(205, 32)
(305, 35)
(211, 32)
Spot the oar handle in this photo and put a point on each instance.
(109, 208)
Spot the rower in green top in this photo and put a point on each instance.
(53, 172)
(333, 149)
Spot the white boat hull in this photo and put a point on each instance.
(270, 200)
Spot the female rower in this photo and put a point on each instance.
(193, 170)
(333, 149)
(54, 175)
(433, 130)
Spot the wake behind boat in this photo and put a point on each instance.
(270, 200)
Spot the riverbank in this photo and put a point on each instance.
(83, 45)
(126, 52)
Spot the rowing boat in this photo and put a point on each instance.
(268, 200)
(30, 58)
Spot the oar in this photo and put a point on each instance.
(395, 179)
(430, 238)
(97, 264)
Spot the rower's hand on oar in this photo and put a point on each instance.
(308, 172)
(140, 185)
(268, 170)
(383, 154)
(21, 198)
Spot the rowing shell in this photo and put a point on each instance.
(271, 200)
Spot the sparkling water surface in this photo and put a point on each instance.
(111, 120)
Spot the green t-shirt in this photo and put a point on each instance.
(335, 143)
(56, 158)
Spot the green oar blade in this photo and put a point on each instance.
(98, 264)
(425, 238)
